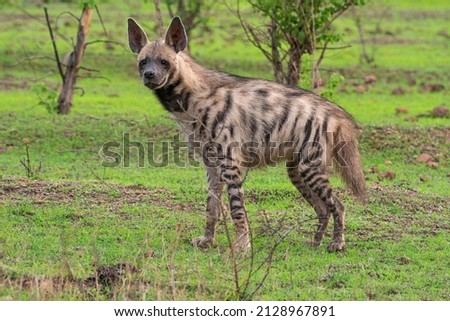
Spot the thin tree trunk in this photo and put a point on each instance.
(276, 60)
(294, 65)
(363, 57)
(66, 96)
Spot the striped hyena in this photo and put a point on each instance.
(237, 123)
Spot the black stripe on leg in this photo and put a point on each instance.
(309, 177)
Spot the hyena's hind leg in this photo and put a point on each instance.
(319, 206)
(231, 175)
(214, 207)
(317, 181)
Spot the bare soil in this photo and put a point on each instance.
(111, 196)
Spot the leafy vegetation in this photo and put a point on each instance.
(290, 29)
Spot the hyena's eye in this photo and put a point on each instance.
(142, 63)
(164, 63)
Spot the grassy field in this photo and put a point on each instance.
(72, 229)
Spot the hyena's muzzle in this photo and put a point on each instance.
(153, 73)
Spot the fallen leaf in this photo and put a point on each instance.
(404, 260)
(425, 178)
(374, 169)
(370, 79)
(360, 89)
(432, 164)
(426, 148)
(386, 175)
(318, 83)
(412, 82)
(388, 163)
(69, 133)
(398, 91)
(444, 33)
(440, 112)
(431, 88)
(401, 110)
(150, 254)
(411, 119)
(424, 158)
(377, 186)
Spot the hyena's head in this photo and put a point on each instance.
(157, 60)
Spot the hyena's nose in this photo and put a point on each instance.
(149, 74)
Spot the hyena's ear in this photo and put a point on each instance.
(176, 35)
(137, 38)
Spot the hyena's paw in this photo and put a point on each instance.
(318, 237)
(336, 246)
(202, 241)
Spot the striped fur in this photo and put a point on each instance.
(242, 123)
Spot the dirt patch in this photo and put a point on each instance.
(431, 88)
(357, 76)
(414, 15)
(412, 214)
(408, 14)
(404, 213)
(110, 275)
(111, 281)
(110, 196)
(13, 83)
(412, 141)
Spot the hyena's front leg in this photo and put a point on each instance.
(213, 207)
(231, 175)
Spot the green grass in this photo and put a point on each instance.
(74, 219)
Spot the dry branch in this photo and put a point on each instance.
(66, 96)
(55, 49)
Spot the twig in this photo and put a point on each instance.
(171, 264)
(364, 55)
(337, 14)
(63, 13)
(233, 255)
(104, 41)
(52, 59)
(9, 83)
(334, 48)
(269, 259)
(28, 60)
(38, 19)
(102, 180)
(80, 89)
(250, 33)
(101, 20)
(322, 55)
(246, 283)
(55, 49)
(96, 77)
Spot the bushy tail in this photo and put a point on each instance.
(347, 160)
